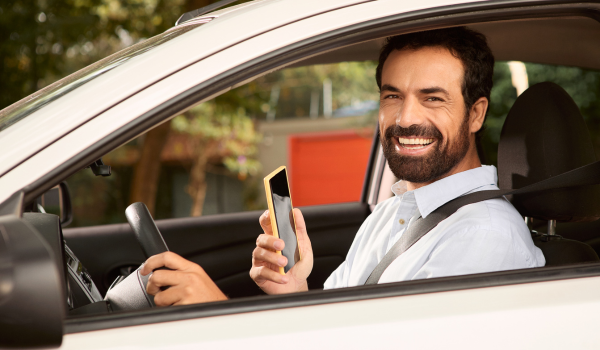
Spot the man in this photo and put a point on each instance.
(434, 93)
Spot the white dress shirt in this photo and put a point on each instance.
(481, 237)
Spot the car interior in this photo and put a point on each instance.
(544, 135)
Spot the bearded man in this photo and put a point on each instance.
(434, 93)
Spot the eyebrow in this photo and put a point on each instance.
(429, 90)
(434, 89)
(388, 87)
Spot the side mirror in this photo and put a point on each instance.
(58, 201)
(32, 302)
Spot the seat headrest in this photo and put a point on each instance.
(545, 135)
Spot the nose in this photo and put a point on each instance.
(410, 113)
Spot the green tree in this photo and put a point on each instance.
(42, 41)
(219, 135)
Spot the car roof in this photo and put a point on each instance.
(568, 41)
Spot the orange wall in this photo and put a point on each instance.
(327, 167)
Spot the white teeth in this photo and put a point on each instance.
(414, 141)
(415, 147)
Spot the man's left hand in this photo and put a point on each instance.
(187, 282)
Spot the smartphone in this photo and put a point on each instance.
(281, 212)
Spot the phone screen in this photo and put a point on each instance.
(284, 216)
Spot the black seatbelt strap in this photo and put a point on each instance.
(582, 176)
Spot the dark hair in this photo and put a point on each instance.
(465, 44)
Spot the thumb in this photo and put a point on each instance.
(303, 240)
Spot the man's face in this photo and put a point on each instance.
(422, 116)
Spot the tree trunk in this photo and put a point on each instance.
(197, 182)
(147, 170)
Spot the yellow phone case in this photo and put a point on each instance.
(272, 212)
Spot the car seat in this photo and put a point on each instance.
(545, 135)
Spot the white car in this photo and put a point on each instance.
(71, 124)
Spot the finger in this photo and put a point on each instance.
(162, 278)
(266, 241)
(166, 259)
(261, 255)
(262, 274)
(168, 297)
(187, 294)
(265, 222)
(301, 233)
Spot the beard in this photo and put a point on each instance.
(431, 166)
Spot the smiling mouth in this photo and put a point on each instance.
(414, 143)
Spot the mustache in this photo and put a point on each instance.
(426, 131)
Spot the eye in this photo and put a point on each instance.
(390, 96)
(434, 99)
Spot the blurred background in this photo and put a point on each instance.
(317, 120)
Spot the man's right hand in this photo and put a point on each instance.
(266, 262)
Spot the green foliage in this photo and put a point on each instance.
(42, 41)
(352, 82)
(143, 17)
(34, 36)
(233, 130)
(355, 82)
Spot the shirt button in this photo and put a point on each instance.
(401, 221)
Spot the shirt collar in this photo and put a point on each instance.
(436, 194)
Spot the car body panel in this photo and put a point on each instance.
(549, 315)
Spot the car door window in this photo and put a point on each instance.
(317, 120)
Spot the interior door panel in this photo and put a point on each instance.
(221, 244)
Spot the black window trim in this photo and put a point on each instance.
(413, 21)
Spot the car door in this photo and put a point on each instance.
(485, 303)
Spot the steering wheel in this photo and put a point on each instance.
(145, 229)
(130, 292)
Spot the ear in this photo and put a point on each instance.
(477, 114)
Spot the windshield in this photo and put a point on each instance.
(41, 98)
